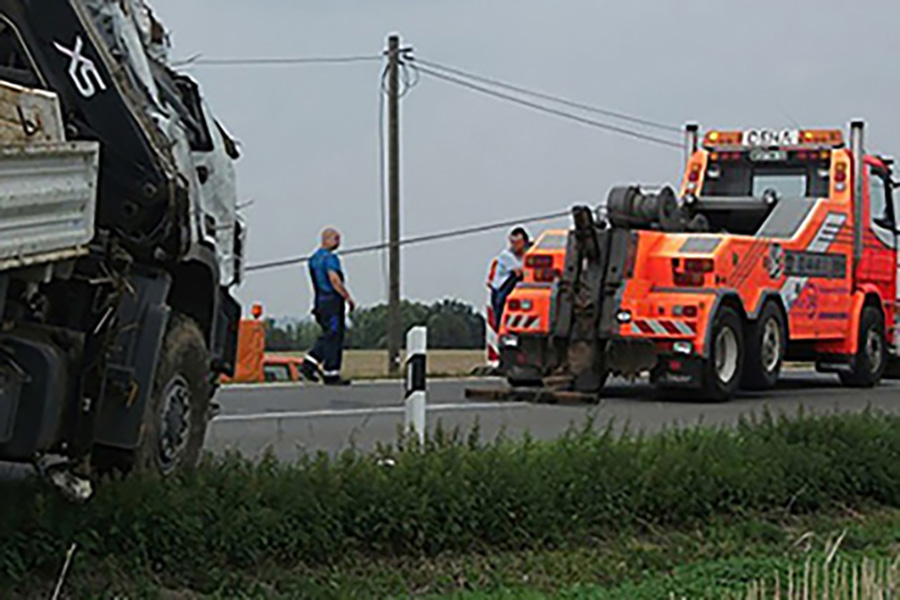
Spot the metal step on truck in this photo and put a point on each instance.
(120, 244)
(780, 245)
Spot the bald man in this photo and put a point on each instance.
(331, 302)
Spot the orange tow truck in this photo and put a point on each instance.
(780, 245)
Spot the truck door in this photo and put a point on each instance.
(879, 260)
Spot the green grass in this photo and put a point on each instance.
(593, 509)
(699, 562)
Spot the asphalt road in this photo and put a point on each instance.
(299, 418)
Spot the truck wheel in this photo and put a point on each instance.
(177, 411)
(766, 344)
(722, 370)
(871, 356)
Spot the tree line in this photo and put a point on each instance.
(452, 324)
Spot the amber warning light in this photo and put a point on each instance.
(257, 311)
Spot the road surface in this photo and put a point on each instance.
(293, 419)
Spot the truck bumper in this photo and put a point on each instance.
(678, 371)
(524, 358)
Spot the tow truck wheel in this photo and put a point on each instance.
(723, 369)
(766, 344)
(176, 415)
(871, 355)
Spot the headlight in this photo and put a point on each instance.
(510, 341)
(623, 316)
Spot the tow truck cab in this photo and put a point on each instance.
(784, 246)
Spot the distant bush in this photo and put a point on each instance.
(452, 324)
(455, 494)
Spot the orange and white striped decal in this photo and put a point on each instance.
(523, 322)
(663, 327)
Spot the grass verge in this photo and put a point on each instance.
(459, 514)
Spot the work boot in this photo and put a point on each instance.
(337, 381)
(309, 371)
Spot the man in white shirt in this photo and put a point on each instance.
(506, 271)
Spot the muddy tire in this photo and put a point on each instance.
(871, 357)
(723, 369)
(176, 416)
(765, 349)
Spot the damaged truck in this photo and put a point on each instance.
(120, 244)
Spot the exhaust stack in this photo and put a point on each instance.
(691, 140)
(857, 147)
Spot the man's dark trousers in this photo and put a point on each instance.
(329, 348)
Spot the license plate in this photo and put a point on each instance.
(772, 137)
(760, 155)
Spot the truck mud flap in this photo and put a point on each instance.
(131, 370)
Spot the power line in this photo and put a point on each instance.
(423, 239)
(544, 96)
(546, 109)
(312, 60)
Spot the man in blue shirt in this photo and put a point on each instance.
(330, 307)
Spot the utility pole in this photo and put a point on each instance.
(395, 322)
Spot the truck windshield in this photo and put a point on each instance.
(788, 179)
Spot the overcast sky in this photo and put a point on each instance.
(309, 134)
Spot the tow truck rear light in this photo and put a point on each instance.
(689, 279)
(840, 177)
(517, 305)
(547, 275)
(694, 175)
(685, 311)
(539, 261)
(812, 155)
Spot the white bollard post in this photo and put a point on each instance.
(416, 368)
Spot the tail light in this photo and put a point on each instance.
(514, 305)
(689, 279)
(539, 261)
(688, 311)
(840, 177)
(547, 275)
(694, 175)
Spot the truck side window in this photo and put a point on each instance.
(881, 206)
(15, 64)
